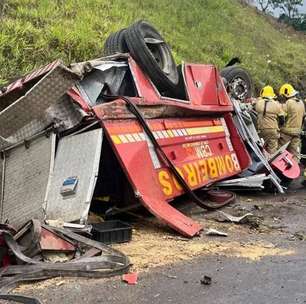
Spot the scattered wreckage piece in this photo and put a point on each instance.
(234, 219)
(130, 278)
(42, 240)
(215, 232)
(286, 165)
(249, 182)
(108, 262)
(19, 299)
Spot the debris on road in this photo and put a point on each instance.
(130, 278)
(28, 252)
(215, 232)
(206, 280)
(234, 219)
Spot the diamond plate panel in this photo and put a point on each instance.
(76, 156)
(27, 172)
(35, 102)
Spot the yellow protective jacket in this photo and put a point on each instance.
(294, 109)
(268, 111)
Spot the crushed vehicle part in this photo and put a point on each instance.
(74, 177)
(286, 165)
(34, 103)
(215, 232)
(234, 219)
(253, 145)
(35, 239)
(281, 161)
(254, 181)
(111, 262)
(103, 79)
(19, 299)
(25, 171)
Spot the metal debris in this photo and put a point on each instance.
(206, 280)
(130, 278)
(249, 182)
(215, 232)
(234, 219)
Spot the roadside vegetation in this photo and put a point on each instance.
(35, 32)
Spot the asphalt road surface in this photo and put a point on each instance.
(279, 279)
(276, 280)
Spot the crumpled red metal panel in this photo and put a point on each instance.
(286, 165)
(51, 242)
(204, 87)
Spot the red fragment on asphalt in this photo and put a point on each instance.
(130, 278)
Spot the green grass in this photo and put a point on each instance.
(35, 32)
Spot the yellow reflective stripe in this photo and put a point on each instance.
(136, 137)
(170, 133)
(116, 140)
(204, 130)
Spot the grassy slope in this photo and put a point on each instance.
(34, 32)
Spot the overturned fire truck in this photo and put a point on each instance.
(126, 129)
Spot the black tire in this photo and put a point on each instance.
(154, 58)
(239, 82)
(115, 43)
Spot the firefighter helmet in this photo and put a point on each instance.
(287, 90)
(267, 92)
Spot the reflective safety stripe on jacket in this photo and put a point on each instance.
(268, 111)
(295, 111)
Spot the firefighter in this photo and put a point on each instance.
(294, 109)
(269, 114)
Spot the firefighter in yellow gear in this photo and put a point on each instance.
(294, 109)
(269, 114)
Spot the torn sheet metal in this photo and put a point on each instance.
(27, 114)
(286, 165)
(25, 174)
(10, 92)
(254, 181)
(246, 134)
(234, 219)
(105, 78)
(215, 232)
(73, 180)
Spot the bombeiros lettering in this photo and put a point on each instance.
(198, 172)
